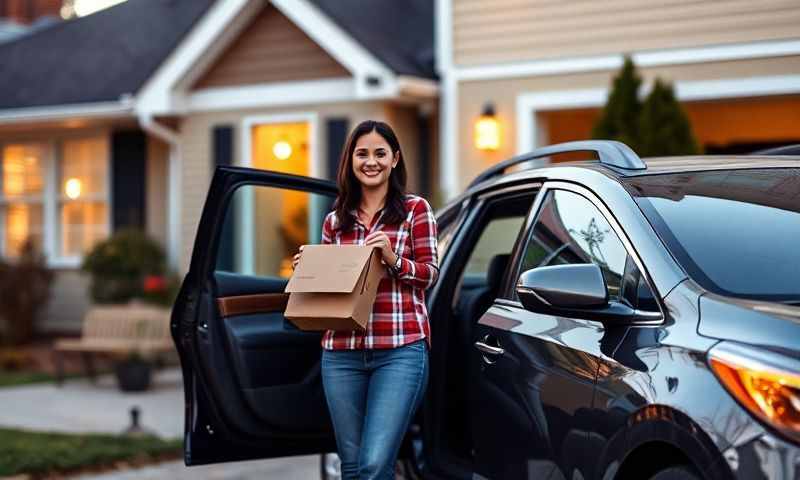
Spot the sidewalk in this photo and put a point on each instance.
(80, 407)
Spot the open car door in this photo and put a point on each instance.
(251, 380)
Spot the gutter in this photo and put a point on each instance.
(171, 138)
(122, 109)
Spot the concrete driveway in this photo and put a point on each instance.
(79, 406)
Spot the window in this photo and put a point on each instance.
(54, 194)
(264, 226)
(570, 229)
(496, 233)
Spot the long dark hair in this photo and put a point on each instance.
(350, 188)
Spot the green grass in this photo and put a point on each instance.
(12, 379)
(38, 453)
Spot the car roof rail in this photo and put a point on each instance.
(609, 152)
(784, 150)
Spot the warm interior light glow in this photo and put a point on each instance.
(772, 396)
(282, 150)
(72, 188)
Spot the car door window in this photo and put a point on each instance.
(264, 226)
(569, 229)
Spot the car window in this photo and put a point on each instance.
(264, 226)
(569, 229)
(494, 235)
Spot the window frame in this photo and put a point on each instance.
(51, 196)
(518, 252)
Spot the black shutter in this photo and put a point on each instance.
(128, 178)
(337, 134)
(222, 148)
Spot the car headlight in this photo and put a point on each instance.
(766, 384)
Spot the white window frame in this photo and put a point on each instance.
(52, 197)
(244, 256)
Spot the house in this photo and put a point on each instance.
(545, 68)
(118, 119)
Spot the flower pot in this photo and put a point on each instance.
(133, 374)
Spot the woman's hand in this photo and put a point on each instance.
(296, 257)
(380, 239)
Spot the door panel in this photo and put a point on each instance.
(549, 365)
(252, 380)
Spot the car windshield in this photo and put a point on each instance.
(735, 232)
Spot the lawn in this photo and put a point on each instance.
(39, 453)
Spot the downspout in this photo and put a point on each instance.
(171, 138)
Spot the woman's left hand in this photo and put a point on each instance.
(380, 239)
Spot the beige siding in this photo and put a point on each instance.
(497, 31)
(271, 49)
(156, 190)
(69, 302)
(197, 162)
(403, 119)
(503, 93)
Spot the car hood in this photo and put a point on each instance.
(772, 325)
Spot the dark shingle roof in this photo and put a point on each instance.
(96, 58)
(399, 33)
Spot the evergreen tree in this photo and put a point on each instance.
(664, 128)
(620, 117)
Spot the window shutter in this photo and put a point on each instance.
(128, 177)
(337, 134)
(222, 147)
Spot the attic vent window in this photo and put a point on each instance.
(373, 81)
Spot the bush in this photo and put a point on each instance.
(119, 265)
(24, 291)
(659, 126)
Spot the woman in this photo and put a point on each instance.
(374, 380)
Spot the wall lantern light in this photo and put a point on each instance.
(487, 129)
(282, 150)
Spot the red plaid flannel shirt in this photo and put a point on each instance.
(399, 315)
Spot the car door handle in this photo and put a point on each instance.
(486, 348)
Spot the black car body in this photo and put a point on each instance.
(600, 319)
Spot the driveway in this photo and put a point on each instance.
(79, 406)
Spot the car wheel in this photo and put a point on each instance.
(676, 473)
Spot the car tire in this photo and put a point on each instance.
(676, 473)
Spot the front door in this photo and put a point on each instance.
(251, 380)
(535, 374)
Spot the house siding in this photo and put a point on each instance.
(271, 49)
(523, 30)
(472, 95)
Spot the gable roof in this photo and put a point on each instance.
(399, 33)
(96, 58)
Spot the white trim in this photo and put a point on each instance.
(175, 182)
(245, 260)
(156, 96)
(651, 58)
(272, 94)
(529, 104)
(448, 102)
(341, 46)
(122, 108)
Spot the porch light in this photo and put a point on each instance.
(72, 188)
(487, 129)
(282, 150)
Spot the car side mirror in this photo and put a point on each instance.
(563, 286)
(575, 291)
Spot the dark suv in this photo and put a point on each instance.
(600, 319)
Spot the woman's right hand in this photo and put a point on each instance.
(296, 257)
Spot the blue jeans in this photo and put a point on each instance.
(372, 396)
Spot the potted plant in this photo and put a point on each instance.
(133, 372)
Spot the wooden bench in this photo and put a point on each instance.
(120, 330)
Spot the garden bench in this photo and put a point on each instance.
(120, 330)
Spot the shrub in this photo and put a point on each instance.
(24, 291)
(119, 265)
